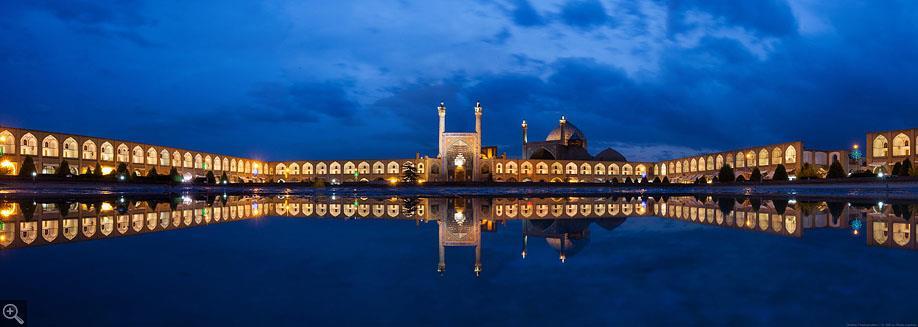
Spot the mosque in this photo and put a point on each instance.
(562, 157)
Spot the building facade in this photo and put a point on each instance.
(562, 157)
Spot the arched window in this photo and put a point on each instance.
(557, 169)
(740, 160)
(307, 168)
(901, 146)
(392, 167)
(281, 169)
(627, 169)
(663, 169)
(294, 169)
(585, 169)
(349, 168)
(613, 170)
(363, 168)
(137, 155)
(776, 156)
(123, 153)
(225, 163)
(108, 152)
(208, 162)
(880, 146)
(164, 158)
(89, 150)
(790, 155)
(28, 145)
(7, 143)
(678, 167)
(640, 170)
(763, 157)
(693, 165)
(248, 167)
(672, 168)
(151, 156)
(218, 165)
(177, 159)
(750, 158)
(511, 167)
(541, 168)
(599, 169)
(420, 168)
(526, 168)
(321, 168)
(656, 169)
(187, 160)
(334, 168)
(570, 168)
(198, 161)
(379, 168)
(71, 148)
(232, 165)
(719, 162)
(49, 146)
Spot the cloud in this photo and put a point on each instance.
(524, 14)
(584, 14)
(770, 17)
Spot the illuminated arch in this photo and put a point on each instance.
(176, 159)
(334, 168)
(627, 169)
(557, 168)
(880, 146)
(71, 148)
(392, 168)
(640, 170)
(187, 160)
(776, 156)
(89, 150)
(678, 167)
(740, 160)
(108, 152)
(349, 168)
(599, 169)
(321, 168)
(208, 162)
(198, 161)
(123, 153)
(614, 170)
(750, 159)
(307, 168)
(526, 168)
(294, 169)
(7, 143)
(49, 146)
(511, 167)
(28, 145)
(763, 157)
(570, 168)
(693, 165)
(790, 155)
(710, 163)
(719, 162)
(363, 168)
(232, 165)
(901, 146)
(585, 169)
(541, 168)
(218, 164)
(137, 155)
(152, 156)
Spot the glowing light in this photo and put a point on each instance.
(459, 161)
(6, 212)
(6, 164)
(881, 175)
(107, 170)
(34, 174)
(393, 180)
(106, 206)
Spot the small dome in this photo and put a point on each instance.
(610, 154)
(570, 131)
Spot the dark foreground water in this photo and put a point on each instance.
(289, 261)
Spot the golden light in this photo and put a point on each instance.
(107, 170)
(106, 206)
(393, 180)
(6, 164)
(6, 212)
(855, 146)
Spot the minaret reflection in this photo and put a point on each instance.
(458, 225)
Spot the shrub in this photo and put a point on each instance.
(862, 173)
(64, 169)
(906, 168)
(726, 174)
(896, 169)
(644, 180)
(756, 175)
(224, 179)
(121, 171)
(701, 180)
(209, 178)
(914, 171)
(27, 168)
(836, 170)
(665, 180)
(174, 176)
(741, 179)
(656, 180)
(152, 173)
(97, 171)
(780, 174)
(808, 172)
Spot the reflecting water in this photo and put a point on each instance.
(753, 251)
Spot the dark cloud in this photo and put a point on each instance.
(524, 14)
(302, 102)
(584, 14)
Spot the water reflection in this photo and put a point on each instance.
(563, 223)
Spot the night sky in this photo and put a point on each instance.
(362, 79)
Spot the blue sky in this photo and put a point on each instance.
(362, 79)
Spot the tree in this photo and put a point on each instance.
(209, 178)
(174, 176)
(906, 168)
(780, 174)
(224, 179)
(897, 168)
(714, 180)
(808, 172)
(121, 171)
(756, 175)
(836, 170)
(701, 180)
(913, 172)
(409, 174)
(665, 180)
(656, 180)
(614, 180)
(152, 173)
(89, 173)
(64, 169)
(97, 171)
(726, 174)
(644, 180)
(28, 167)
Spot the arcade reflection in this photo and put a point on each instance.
(563, 223)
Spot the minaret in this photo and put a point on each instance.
(441, 110)
(478, 118)
(563, 123)
(525, 139)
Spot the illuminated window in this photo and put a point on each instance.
(49, 146)
(89, 150)
(901, 146)
(880, 146)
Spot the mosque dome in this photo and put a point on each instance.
(569, 246)
(570, 132)
(610, 154)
